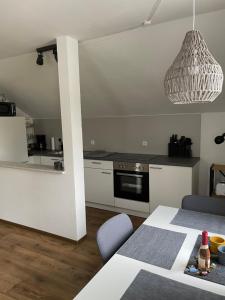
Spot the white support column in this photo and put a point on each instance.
(69, 86)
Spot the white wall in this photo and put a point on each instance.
(49, 127)
(39, 200)
(127, 134)
(213, 124)
(48, 201)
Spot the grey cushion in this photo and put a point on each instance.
(112, 234)
(204, 204)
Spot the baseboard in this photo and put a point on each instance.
(117, 209)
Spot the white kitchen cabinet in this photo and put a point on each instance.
(99, 186)
(34, 159)
(13, 139)
(49, 160)
(98, 164)
(169, 184)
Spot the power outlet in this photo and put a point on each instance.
(145, 143)
(92, 142)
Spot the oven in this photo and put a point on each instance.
(131, 181)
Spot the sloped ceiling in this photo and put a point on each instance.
(121, 74)
(33, 88)
(28, 24)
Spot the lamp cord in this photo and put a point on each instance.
(193, 24)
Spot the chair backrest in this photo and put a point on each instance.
(204, 204)
(112, 234)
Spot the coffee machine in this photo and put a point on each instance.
(41, 142)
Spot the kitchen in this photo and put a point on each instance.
(141, 140)
(125, 182)
(117, 181)
(96, 134)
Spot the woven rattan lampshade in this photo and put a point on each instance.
(195, 76)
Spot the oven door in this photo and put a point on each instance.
(131, 185)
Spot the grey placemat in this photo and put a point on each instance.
(148, 286)
(154, 245)
(200, 221)
(216, 275)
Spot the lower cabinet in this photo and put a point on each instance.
(99, 186)
(34, 159)
(49, 161)
(169, 184)
(43, 160)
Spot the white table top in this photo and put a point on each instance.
(115, 277)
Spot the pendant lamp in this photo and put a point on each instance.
(195, 76)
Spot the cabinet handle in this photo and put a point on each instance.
(156, 168)
(108, 173)
(96, 162)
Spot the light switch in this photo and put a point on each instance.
(92, 142)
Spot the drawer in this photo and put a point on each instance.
(132, 205)
(98, 164)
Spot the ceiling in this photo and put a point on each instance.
(33, 88)
(29, 24)
(121, 74)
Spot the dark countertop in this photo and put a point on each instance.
(175, 161)
(144, 158)
(46, 153)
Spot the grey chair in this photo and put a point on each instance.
(204, 204)
(112, 234)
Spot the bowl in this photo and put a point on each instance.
(215, 242)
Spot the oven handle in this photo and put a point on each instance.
(131, 175)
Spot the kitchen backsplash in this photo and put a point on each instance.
(148, 134)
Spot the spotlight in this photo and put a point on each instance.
(41, 50)
(55, 54)
(219, 139)
(39, 60)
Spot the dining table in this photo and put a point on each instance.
(152, 262)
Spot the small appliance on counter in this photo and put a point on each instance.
(179, 147)
(41, 142)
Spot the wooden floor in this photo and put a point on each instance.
(38, 266)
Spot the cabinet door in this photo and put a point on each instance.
(168, 185)
(99, 186)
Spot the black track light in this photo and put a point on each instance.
(40, 60)
(55, 54)
(41, 50)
